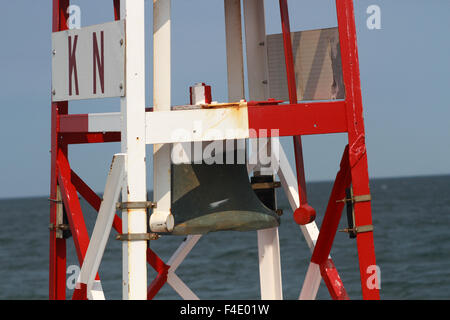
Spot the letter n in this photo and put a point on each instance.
(99, 59)
(73, 64)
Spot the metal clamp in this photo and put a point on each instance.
(266, 185)
(135, 205)
(61, 226)
(360, 229)
(137, 236)
(354, 199)
(54, 200)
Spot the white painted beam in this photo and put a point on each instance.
(102, 228)
(235, 59)
(268, 241)
(104, 122)
(195, 125)
(182, 251)
(134, 282)
(180, 287)
(161, 220)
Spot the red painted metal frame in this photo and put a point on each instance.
(354, 168)
(356, 134)
(57, 254)
(294, 119)
(328, 231)
(89, 137)
(298, 119)
(305, 213)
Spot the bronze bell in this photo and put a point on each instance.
(216, 197)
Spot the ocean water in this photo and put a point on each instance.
(411, 217)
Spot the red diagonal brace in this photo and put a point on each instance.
(328, 231)
(333, 281)
(73, 210)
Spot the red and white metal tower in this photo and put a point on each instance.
(108, 60)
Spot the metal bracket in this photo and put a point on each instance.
(266, 185)
(135, 205)
(54, 200)
(360, 229)
(63, 227)
(355, 199)
(137, 236)
(349, 200)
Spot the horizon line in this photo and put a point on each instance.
(312, 181)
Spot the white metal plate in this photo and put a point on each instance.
(89, 63)
(317, 65)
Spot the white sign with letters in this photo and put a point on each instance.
(89, 63)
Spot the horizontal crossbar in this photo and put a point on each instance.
(207, 124)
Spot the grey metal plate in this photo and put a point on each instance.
(74, 72)
(317, 64)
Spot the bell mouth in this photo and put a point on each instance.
(227, 221)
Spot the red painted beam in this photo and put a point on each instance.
(305, 213)
(156, 285)
(298, 119)
(81, 292)
(57, 246)
(333, 212)
(90, 137)
(328, 231)
(288, 55)
(356, 137)
(74, 123)
(332, 280)
(116, 9)
(73, 208)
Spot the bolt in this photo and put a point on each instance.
(121, 86)
(264, 81)
(54, 51)
(121, 42)
(261, 43)
(53, 92)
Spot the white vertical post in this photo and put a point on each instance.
(133, 144)
(161, 219)
(268, 240)
(255, 35)
(235, 59)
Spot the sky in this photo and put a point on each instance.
(404, 66)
